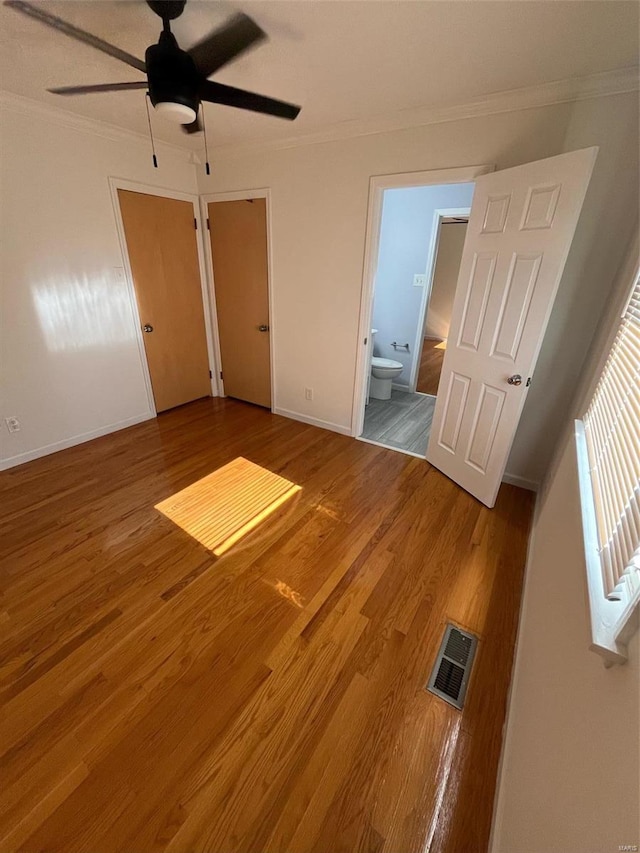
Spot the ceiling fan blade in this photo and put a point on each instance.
(218, 93)
(100, 87)
(225, 43)
(194, 127)
(74, 32)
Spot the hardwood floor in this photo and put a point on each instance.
(160, 698)
(430, 367)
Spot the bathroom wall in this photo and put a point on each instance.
(445, 279)
(405, 235)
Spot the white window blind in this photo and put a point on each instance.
(612, 430)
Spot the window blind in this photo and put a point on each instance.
(612, 429)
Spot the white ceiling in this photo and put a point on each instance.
(340, 60)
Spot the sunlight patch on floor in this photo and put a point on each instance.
(441, 345)
(224, 506)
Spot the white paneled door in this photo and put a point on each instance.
(520, 229)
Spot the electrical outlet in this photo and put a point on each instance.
(308, 393)
(13, 424)
(420, 280)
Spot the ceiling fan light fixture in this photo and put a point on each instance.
(177, 81)
(175, 112)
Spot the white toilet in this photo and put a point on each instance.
(383, 372)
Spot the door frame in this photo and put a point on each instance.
(116, 184)
(239, 195)
(377, 185)
(432, 255)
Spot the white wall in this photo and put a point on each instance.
(319, 209)
(606, 222)
(570, 774)
(70, 361)
(405, 237)
(60, 249)
(445, 279)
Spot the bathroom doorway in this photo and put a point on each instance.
(414, 268)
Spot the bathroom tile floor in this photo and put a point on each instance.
(403, 422)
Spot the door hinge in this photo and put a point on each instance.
(220, 374)
(208, 225)
(210, 375)
(195, 223)
(528, 382)
(365, 341)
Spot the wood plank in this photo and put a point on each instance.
(430, 366)
(159, 697)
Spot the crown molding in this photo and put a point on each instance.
(616, 82)
(64, 118)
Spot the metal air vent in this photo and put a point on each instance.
(450, 675)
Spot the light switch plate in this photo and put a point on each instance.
(420, 280)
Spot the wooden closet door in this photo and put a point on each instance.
(238, 232)
(163, 254)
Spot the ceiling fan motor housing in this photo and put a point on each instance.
(171, 73)
(168, 10)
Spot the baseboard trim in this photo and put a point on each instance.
(47, 449)
(495, 836)
(307, 419)
(397, 386)
(522, 482)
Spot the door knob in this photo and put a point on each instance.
(147, 328)
(516, 379)
(263, 328)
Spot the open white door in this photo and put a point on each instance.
(520, 229)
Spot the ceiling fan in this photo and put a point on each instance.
(177, 80)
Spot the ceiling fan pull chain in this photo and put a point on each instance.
(153, 147)
(206, 150)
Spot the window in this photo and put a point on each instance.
(609, 468)
(612, 431)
